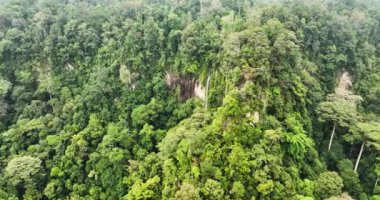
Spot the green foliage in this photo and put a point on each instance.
(328, 184)
(23, 170)
(368, 132)
(340, 111)
(209, 99)
(147, 114)
(5, 87)
(298, 141)
(213, 189)
(141, 190)
(187, 191)
(351, 179)
(238, 190)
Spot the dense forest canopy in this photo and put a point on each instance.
(190, 99)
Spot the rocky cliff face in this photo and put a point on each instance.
(188, 86)
(344, 85)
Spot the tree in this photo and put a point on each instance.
(187, 191)
(299, 142)
(369, 134)
(350, 178)
(5, 86)
(343, 196)
(370, 89)
(147, 114)
(141, 190)
(238, 190)
(23, 171)
(342, 112)
(328, 184)
(213, 190)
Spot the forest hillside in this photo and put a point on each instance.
(190, 99)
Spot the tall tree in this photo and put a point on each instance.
(341, 112)
(369, 134)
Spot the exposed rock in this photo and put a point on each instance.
(254, 118)
(127, 77)
(69, 66)
(345, 84)
(344, 89)
(199, 91)
(188, 86)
